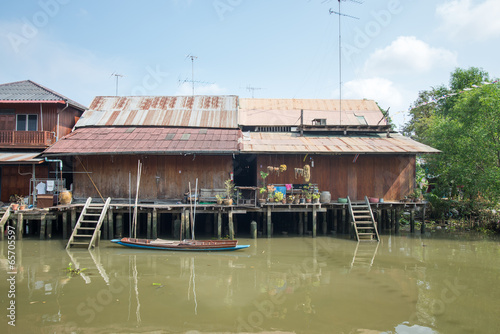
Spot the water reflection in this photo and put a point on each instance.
(302, 285)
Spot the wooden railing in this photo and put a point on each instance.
(26, 138)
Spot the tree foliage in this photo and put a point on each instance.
(466, 128)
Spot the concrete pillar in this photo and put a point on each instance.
(65, 224)
(396, 222)
(19, 226)
(43, 223)
(301, 224)
(219, 225)
(412, 221)
(269, 222)
(314, 221)
(111, 230)
(253, 229)
(422, 227)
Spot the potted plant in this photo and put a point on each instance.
(278, 196)
(296, 199)
(263, 189)
(306, 192)
(230, 191)
(270, 192)
(315, 197)
(219, 199)
(17, 202)
(289, 199)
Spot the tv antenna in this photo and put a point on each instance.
(117, 76)
(192, 68)
(253, 89)
(340, 14)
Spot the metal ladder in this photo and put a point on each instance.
(87, 229)
(364, 224)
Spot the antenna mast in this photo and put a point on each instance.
(253, 89)
(192, 68)
(340, 14)
(117, 76)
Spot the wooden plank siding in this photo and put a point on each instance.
(384, 176)
(163, 176)
(15, 179)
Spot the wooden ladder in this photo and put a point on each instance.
(5, 218)
(363, 221)
(87, 229)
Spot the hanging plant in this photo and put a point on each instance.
(282, 168)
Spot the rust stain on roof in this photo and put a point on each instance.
(185, 111)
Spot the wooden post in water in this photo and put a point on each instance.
(379, 220)
(253, 229)
(111, 229)
(154, 234)
(306, 222)
(314, 221)
(43, 222)
(148, 225)
(393, 219)
(324, 226)
(412, 221)
(269, 222)
(19, 225)
(301, 224)
(73, 219)
(49, 228)
(119, 225)
(65, 224)
(396, 222)
(187, 234)
(422, 227)
(231, 224)
(219, 225)
(335, 217)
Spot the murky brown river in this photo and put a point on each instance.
(300, 285)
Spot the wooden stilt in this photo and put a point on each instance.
(306, 222)
(301, 224)
(73, 219)
(231, 224)
(187, 229)
(20, 221)
(314, 221)
(49, 228)
(148, 225)
(65, 224)
(154, 233)
(422, 227)
(393, 219)
(111, 229)
(269, 222)
(335, 214)
(43, 224)
(324, 224)
(396, 222)
(412, 221)
(219, 225)
(119, 225)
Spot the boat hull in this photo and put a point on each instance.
(185, 245)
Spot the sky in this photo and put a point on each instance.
(389, 49)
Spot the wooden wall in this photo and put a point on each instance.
(15, 179)
(163, 177)
(48, 120)
(384, 176)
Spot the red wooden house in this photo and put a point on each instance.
(32, 118)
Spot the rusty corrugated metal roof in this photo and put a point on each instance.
(181, 111)
(20, 157)
(286, 112)
(153, 140)
(377, 143)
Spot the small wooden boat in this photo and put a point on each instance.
(184, 245)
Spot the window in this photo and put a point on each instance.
(27, 123)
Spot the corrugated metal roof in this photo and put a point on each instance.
(286, 112)
(20, 157)
(29, 91)
(378, 143)
(153, 140)
(185, 111)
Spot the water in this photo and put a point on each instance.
(435, 284)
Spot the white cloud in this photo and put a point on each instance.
(407, 55)
(470, 20)
(381, 90)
